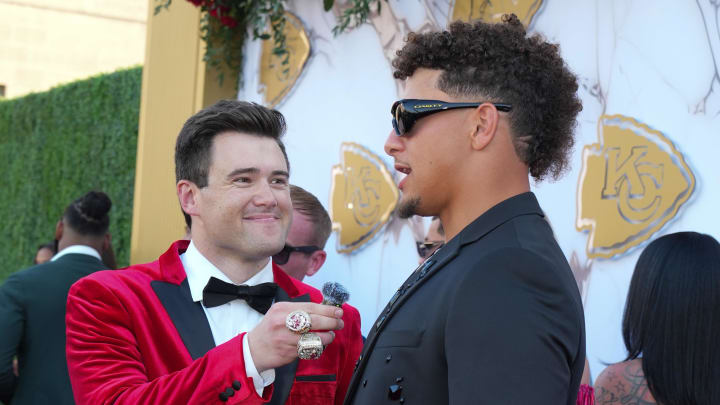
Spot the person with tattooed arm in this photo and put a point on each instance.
(671, 327)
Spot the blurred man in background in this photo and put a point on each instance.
(44, 253)
(32, 306)
(304, 253)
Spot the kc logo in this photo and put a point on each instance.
(631, 184)
(492, 11)
(363, 195)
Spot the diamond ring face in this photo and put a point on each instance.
(309, 347)
(298, 322)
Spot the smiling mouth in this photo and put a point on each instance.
(262, 217)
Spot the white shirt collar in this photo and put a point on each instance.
(81, 249)
(199, 270)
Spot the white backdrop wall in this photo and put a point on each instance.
(655, 61)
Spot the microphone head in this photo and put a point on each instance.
(334, 294)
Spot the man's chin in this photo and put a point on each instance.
(272, 247)
(262, 251)
(262, 245)
(408, 207)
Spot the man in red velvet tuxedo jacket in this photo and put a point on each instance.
(196, 326)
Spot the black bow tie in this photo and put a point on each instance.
(258, 297)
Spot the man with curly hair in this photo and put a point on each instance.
(494, 316)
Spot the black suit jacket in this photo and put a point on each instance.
(494, 317)
(32, 325)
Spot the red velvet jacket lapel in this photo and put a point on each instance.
(139, 355)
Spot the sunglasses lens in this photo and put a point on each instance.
(398, 112)
(394, 114)
(282, 257)
(395, 127)
(402, 128)
(393, 108)
(421, 249)
(427, 248)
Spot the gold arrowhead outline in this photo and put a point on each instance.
(339, 169)
(589, 224)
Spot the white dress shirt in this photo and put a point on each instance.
(230, 319)
(82, 249)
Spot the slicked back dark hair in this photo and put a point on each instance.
(672, 318)
(193, 148)
(501, 63)
(88, 215)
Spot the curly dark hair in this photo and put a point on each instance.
(500, 63)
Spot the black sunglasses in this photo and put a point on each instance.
(425, 249)
(407, 111)
(284, 255)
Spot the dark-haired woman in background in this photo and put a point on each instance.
(32, 306)
(671, 327)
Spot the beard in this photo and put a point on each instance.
(408, 208)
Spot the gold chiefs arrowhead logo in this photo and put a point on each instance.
(363, 195)
(492, 11)
(279, 72)
(631, 184)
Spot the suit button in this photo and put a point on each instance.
(388, 358)
(395, 392)
(364, 382)
(229, 392)
(223, 397)
(236, 385)
(402, 400)
(399, 380)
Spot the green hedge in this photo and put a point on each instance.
(57, 145)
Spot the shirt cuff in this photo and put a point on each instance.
(260, 380)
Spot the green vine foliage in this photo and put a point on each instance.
(356, 14)
(226, 23)
(57, 145)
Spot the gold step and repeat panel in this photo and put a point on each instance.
(492, 11)
(363, 196)
(632, 182)
(279, 73)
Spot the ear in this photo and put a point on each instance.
(187, 193)
(485, 121)
(59, 228)
(317, 259)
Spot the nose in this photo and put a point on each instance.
(393, 144)
(265, 196)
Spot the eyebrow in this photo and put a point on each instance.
(255, 170)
